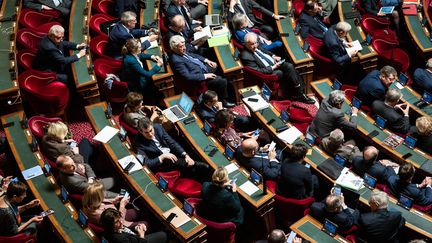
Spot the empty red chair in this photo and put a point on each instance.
(378, 28)
(19, 238)
(98, 47)
(43, 92)
(253, 77)
(103, 6)
(119, 90)
(95, 22)
(37, 124)
(183, 187)
(390, 53)
(38, 21)
(25, 58)
(289, 210)
(323, 64)
(28, 38)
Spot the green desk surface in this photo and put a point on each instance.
(6, 29)
(5, 77)
(64, 218)
(417, 158)
(76, 35)
(149, 13)
(147, 186)
(315, 233)
(157, 52)
(416, 29)
(408, 96)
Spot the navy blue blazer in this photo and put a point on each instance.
(395, 121)
(173, 10)
(422, 80)
(187, 69)
(149, 149)
(310, 26)
(381, 225)
(295, 181)
(51, 57)
(336, 48)
(373, 168)
(421, 196)
(371, 88)
(118, 36)
(344, 219)
(272, 169)
(138, 79)
(186, 34)
(125, 5)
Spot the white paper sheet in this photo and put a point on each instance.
(258, 105)
(249, 188)
(399, 86)
(231, 168)
(153, 44)
(181, 218)
(106, 134)
(32, 172)
(204, 34)
(356, 46)
(130, 158)
(290, 135)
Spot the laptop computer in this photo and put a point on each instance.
(181, 110)
(310, 139)
(82, 219)
(188, 208)
(229, 152)
(63, 194)
(163, 184)
(336, 84)
(403, 79)
(212, 19)
(284, 115)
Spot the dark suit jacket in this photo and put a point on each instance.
(118, 36)
(248, 5)
(173, 10)
(149, 149)
(381, 225)
(76, 183)
(374, 168)
(424, 143)
(64, 7)
(422, 80)
(186, 34)
(335, 47)
(52, 58)
(52, 148)
(272, 169)
(124, 237)
(220, 204)
(295, 181)
(395, 121)
(309, 26)
(421, 196)
(371, 88)
(344, 219)
(371, 6)
(187, 69)
(126, 5)
(250, 60)
(138, 78)
(329, 118)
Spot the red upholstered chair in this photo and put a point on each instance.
(350, 91)
(360, 8)
(390, 53)
(271, 186)
(324, 65)
(25, 58)
(19, 238)
(237, 44)
(162, 25)
(98, 47)
(40, 22)
(43, 92)
(97, 229)
(103, 6)
(378, 28)
(131, 132)
(95, 22)
(192, 90)
(298, 7)
(37, 124)
(289, 210)
(119, 90)
(183, 187)
(253, 77)
(76, 199)
(28, 38)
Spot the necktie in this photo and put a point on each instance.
(183, 10)
(197, 62)
(267, 61)
(323, 27)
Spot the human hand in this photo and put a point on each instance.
(404, 107)
(141, 229)
(353, 53)
(203, 2)
(117, 199)
(81, 53)
(297, 240)
(153, 37)
(169, 156)
(219, 106)
(275, 66)
(159, 62)
(265, 148)
(278, 17)
(381, 14)
(354, 110)
(209, 76)
(272, 154)
(189, 160)
(197, 29)
(36, 219)
(45, 7)
(81, 46)
(211, 63)
(124, 201)
(277, 59)
(33, 203)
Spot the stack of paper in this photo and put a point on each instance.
(249, 188)
(130, 158)
(32, 172)
(106, 134)
(349, 180)
(202, 35)
(356, 46)
(290, 135)
(256, 102)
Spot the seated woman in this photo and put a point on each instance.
(133, 72)
(94, 203)
(240, 25)
(220, 201)
(56, 143)
(335, 144)
(423, 133)
(10, 219)
(115, 231)
(134, 110)
(373, 7)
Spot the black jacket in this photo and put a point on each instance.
(381, 226)
(395, 120)
(295, 181)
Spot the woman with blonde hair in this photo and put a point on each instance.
(423, 133)
(94, 203)
(56, 142)
(220, 201)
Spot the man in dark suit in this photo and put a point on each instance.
(178, 27)
(76, 177)
(310, 21)
(335, 42)
(330, 116)
(51, 53)
(380, 225)
(195, 68)
(266, 62)
(265, 163)
(368, 163)
(180, 7)
(423, 78)
(122, 6)
(124, 30)
(388, 109)
(402, 183)
(375, 84)
(61, 5)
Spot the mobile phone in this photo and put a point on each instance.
(337, 190)
(171, 217)
(233, 181)
(253, 99)
(307, 165)
(407, 155)
(46, 213)
(122, 192)
(280, 62)
(271, 121)
(272, 146)
(73, 144)
(126, 195)
(256, 132)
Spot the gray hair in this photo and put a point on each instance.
(128, 16)
(379, 198)
(336, 136)
(386, 71)
(238, 20)
(393, 95)
(56, 30)
(175, 41)
(429, 63)
(248, 37)
(343, 26)
(336, 97)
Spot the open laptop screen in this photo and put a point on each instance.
(186, 103)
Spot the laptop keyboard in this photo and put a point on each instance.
(177, 111)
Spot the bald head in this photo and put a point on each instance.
(178, 21)
(370, 153)
(276, 236)
(333, 203)
(249, 147)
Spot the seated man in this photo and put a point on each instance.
(162, 152)
(368, 163)
(76, 177)
(122, 6)
(375, 84)
(388, 109)
(51, 53)
(63, 6)
(311, 21)
(423, 78)
(180, 7)
(178, 27)
(402, 183)
(335, 42)
(124, 30)
(327, 6)
(194, 68)
(266, 62)
(335, 209)
(249, 156)
(381, 224)
(330, 116)
(335, 144)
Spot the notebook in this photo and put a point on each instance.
(181, 110)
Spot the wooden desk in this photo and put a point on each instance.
(368, 56)
(85, 80)
(164, 78)
(419, 34)
(9, 90)
(426, 12)
(203, 144)
(143, 182)
(44, 188)
(232, 68)
(310, 229)
(411, 97)
(302, 61)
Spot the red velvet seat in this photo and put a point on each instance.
(95, 22)
(349, 94)
(271, 186)
(390, 53)
(162, 25)
(119, 90)
(253, 77)
(183, 187)
(323, 64)
(38, 21)
(28, 38)
(298, 7)
(192, 90)
(97, 229)
(19, 238)
(43, 92)
(25, 58)
(37, 124)
(131, 132)
(76, 199)
(98, 47)
(289, 210)
(359, 7)
(378, 28)
(103, 6)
